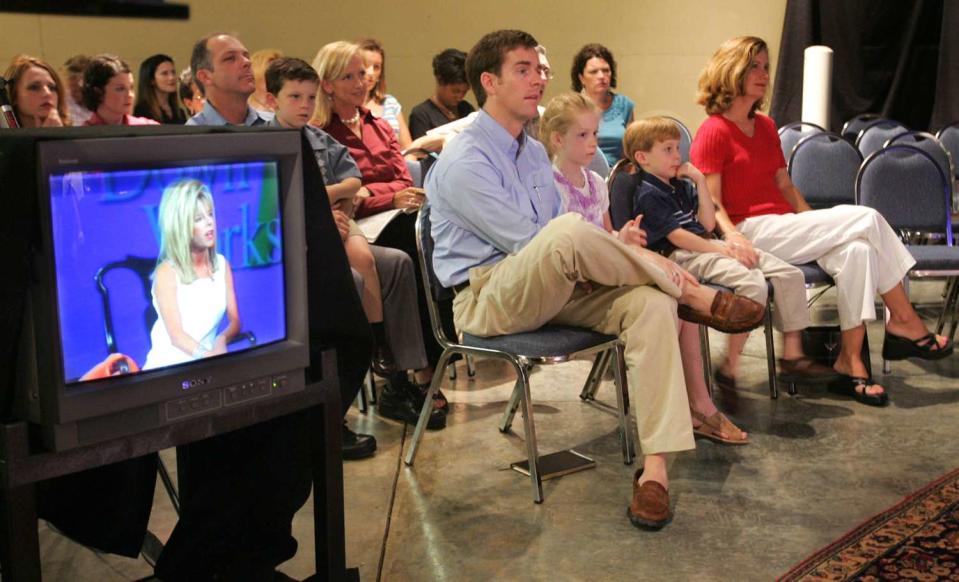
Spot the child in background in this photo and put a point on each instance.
(568, 129)
(292, 85)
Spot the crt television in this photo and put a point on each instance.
(170, 282)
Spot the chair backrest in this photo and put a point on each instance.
(435, 292)
(685, 138)
(791, 134)
(876, 134)
(599, 164)
(824, 167)
(949, 138)
(929, 144)
(416, 172)
(851, 129)
(910, 190)
(621, 184)
(142, 268)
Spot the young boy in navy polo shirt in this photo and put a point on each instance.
(679, 220)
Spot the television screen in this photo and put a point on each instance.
(164, 266)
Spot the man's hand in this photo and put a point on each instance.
(631, 234)
(742, 249)
(678, 275)
(342, 224)
(409, 198)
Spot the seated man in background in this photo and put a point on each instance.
(515, 266)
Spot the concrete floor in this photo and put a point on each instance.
(818, 466)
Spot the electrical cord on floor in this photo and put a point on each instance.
(389, 509)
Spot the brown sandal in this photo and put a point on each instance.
(713, 427)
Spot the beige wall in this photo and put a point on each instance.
(660, 46)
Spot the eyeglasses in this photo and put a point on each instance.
(545, 72)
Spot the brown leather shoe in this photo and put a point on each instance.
(805, 369)
(650, 506)
(729, 313)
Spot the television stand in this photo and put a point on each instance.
(20, 470)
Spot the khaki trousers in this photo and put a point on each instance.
(854, 244)
(789, 285)
(574, 273)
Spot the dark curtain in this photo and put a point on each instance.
(890, 57)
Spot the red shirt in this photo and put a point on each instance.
(748, 165)
(377, 155)
(127, 120)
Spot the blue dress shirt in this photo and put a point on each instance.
(210, 116)
(490, 194)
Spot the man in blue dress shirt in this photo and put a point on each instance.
(517, 264)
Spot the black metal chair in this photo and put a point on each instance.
(948, 136)
(875, 135)
(909, 188)
(551, 344)
(792, 133)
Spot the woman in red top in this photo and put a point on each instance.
(738, 149)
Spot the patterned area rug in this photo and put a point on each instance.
(918, 539)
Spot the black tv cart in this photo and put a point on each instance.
(20, 470)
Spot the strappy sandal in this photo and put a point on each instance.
(855, 387)
(713, 427)
(927, 347)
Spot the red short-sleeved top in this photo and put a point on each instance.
(748, 165)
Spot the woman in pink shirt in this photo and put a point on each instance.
(738, 150)
(108, 92)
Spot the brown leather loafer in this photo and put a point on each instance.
(805, 369)
(650, 506)
(729, 313)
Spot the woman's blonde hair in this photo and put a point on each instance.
(724, 77)
(330, 63)
(178, 207)
(560, 113)
(20, 65)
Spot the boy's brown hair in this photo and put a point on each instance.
(642, 135)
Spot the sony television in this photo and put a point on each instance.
(170, 282)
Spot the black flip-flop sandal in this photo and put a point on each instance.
(847, 386)
(927, 347)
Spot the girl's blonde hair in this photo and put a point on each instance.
(377, 92)
(23, 63)
(178, 207)
(724, 77)
(330, 63)
(560, 113)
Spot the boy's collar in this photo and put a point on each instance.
(656, 181)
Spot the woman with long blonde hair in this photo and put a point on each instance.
(192, 284)
(36, 93)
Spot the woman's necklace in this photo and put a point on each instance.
(353, 120)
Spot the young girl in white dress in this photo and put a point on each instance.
(192, 284)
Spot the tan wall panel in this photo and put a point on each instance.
(660, 47)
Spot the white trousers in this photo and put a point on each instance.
(854, 244)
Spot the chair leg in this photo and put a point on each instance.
(593, 377)
(511, 407)
(622, 403)
(371, 387)
(451, 368)
(600, 372)
(948, 298)
(427, 408)
(771, 356)
(168, 485)
(361, 402)
(470, 367)
(532, 450)
(707, 357)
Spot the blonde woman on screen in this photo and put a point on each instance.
(192, 284)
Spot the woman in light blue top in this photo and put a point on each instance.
(379, 102)
(594, 74)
